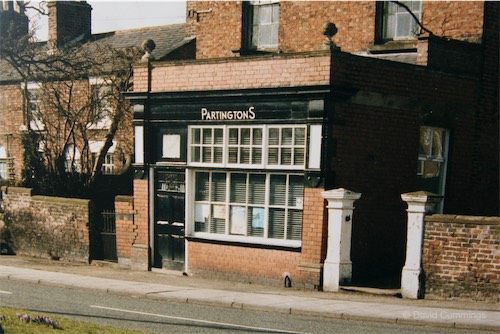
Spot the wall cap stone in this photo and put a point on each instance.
(61, 200)
(124, 198)
(459, 219)
(17, 190)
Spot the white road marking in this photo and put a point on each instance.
(6, 292)
(268, 330)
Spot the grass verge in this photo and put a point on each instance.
(17, 321)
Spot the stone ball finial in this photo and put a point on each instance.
(330, 30)
(148, 46)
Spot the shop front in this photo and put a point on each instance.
(231, 174)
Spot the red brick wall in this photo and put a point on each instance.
(219, 32)
(224, 261)
(11, 106)
(141, 219)
(46, 226)
(314, 226)
(125, 227)
(237, 73)
(461, 257)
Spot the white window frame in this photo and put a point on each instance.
(265, 147)
(72, 159)
(4, 175)
(255, 27)
(103, 119)
(225, 208)
(392, 21)
(34, 119)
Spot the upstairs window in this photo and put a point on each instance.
(34, 103)
(394, 22)
(72, 159)
(3, 163)
(101, 103)
(262, 24)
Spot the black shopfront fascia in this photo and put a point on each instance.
(172, 112)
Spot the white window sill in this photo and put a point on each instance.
(247, 240)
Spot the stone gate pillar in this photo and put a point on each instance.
(338, 266)
(412, 277)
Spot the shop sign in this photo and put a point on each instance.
(211, 115)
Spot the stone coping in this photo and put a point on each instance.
(460, 219)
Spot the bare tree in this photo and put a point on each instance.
(67, 111)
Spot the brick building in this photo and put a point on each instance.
(233, 149)
(70, 27)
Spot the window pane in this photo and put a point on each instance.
(257, 136)
(257, 189)
(196, 136)
(218, 155)
(195, 154)
(273, 156)
(207, 154)
(202, 185)
(257, 156)
(403, 25)
(218, 136)
(238, 188)
(219, 187)
(233, 136)
(287, 136)
(278, 190)
(299, 156)
(245, 155)
(245, 136)
(437, 143)
(218, 225)
(296, 191)
(274, 136)
(255, 224)
(300, 136)
(286, 156)
(233, 155)
(277, 223)
(294, 226)
(207, 136)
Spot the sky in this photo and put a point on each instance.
(111, 15)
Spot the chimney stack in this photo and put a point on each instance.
(13, 21)
(69, 22)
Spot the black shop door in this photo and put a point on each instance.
(169, 228)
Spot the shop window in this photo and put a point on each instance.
(253, 191)
(3, 163)
(394, 22)
(262, 22)
(432, 159)
(260, 146)
(252, 205)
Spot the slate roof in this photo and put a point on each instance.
(167, 39)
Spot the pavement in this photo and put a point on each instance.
(348, 304)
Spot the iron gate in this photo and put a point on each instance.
(108, 235)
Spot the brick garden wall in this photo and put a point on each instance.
(43, 226)
(461, 256)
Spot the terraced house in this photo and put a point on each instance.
(287, 99)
